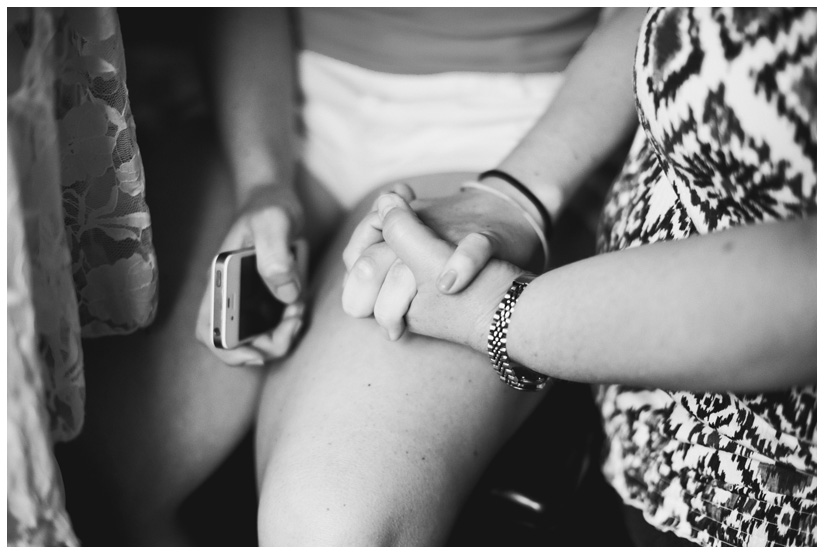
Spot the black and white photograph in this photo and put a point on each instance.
(385, 276)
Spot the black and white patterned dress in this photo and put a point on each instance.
(727, 104)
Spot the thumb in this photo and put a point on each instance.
(414, 243)
(276, 264)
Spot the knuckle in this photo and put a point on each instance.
(391, 223)
(461, 258)
(487, 240)
(476, 248)
(398, 272)
(365, 267)
(480, 241)
(373, 262)
(271, 267)
(273, 214)
(269, 223)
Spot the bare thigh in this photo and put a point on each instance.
(364, 441)
(161, 412)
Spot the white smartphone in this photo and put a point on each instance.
(242, 307)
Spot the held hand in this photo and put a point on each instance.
(482, 226)
(377, 282)
(460, 318)
(270, 222)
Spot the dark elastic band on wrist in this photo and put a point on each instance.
(545, 215)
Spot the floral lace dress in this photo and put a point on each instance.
(80, 255)
(727, 104)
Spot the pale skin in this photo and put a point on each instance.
(359, 440)
(259, 142)
(731, 311)
(591, 115)
(420, 439)
(615, 315)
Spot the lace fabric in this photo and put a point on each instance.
(103, 186)
(80, 256)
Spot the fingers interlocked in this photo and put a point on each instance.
(380, 281)
(377, 282)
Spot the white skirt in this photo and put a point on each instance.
(365, 128)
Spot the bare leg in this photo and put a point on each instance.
(162, 412)
(362, 441)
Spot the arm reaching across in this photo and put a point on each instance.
(730, 311)
(590, 116)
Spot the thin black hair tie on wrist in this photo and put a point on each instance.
(545, 215)
(545, 247)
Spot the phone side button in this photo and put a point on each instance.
(217, 278)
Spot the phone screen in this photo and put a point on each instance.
(258, 310)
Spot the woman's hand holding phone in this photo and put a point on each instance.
(270, 222)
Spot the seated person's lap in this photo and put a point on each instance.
(162, 411)
(365, 440)
(361, 440)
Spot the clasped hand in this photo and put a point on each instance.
(411, 268)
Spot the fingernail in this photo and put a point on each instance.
(365, 268)
(255, 362)
(446, 280)
(288, 292)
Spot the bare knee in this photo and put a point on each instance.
(299, 510)
(329, 507)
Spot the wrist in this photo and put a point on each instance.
(532, 233)
(273, 195)
(507, 189)
(548, 194)
(533, 209)
(512, 373)
(489, 288)
(530, 205)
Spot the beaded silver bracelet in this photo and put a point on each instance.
(513, 374)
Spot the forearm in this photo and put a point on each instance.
(592, 114)
(254, 91)
(733, 310)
